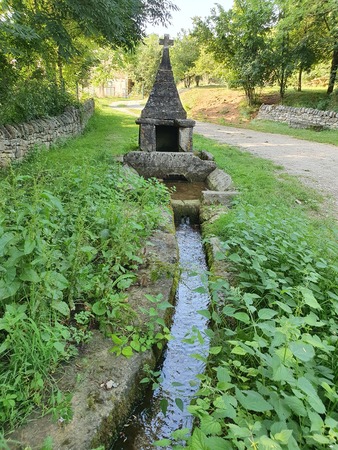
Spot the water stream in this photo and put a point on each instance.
(179, 368)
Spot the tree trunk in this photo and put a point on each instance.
(250, 94)
(61, 79)
(333, 71)
(300, 73)
(282, 85)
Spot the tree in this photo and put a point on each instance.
(184, 54)
(207, 68)
(238, 38)
(47, 36)
(142, 66)
(324, 14)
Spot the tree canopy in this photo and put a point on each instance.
(269, 40)
(42, 37)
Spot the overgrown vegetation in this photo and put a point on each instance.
(271, 379)
(72, 225)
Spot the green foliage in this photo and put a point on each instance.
(184, 55)
(143, 336)
(72, 226)
(144, 64)
(271, 380)
(56, 40)
(34, 99)
(239, 39)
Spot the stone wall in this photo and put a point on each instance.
(16, 140)
(299, 117)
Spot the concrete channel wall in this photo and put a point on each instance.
(16, 140)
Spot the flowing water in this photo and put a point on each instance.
(179, 369)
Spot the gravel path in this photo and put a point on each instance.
(316, 165)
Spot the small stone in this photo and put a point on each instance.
(110, 384)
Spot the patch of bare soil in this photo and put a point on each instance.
(220, 105)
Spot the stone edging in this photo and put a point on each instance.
(299, 117)
(16, 140)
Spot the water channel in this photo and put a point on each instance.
(179, 367)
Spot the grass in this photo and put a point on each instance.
(72, 226)
(263, 183)
(268, 126)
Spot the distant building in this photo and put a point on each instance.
(120, 86)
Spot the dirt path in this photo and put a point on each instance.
(316, 165)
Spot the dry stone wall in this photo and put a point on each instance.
(16, 140)
(300, 117)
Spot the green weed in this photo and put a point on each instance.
(72, 227)
(271, 380)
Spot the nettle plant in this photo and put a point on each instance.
(271, 381)
(70, 241)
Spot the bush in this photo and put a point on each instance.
(31, 99)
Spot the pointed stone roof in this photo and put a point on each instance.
(164, 101)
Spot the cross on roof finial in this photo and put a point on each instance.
(166, 42)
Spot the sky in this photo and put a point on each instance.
(188, 9)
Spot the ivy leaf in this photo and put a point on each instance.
(209, 425)
(252, 401)
(135, 345)
(99, 308)
(164, 405)
(266, 313)
(116, 339)
(179, 403)
(302, 351)
(62, 308)
(127, 351)
(309, 298)
(199, 440)
(241, 316)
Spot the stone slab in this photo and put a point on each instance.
(184, 209)
(218, 197)
(164, 164)
(218, 180)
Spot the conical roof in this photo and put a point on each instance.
(164, 101)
